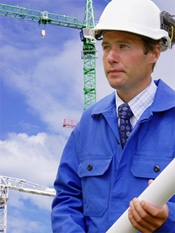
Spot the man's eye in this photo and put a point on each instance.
(106, 48)
(123, 46)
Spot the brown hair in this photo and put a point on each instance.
(149, 45)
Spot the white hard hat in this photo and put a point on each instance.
(141, 17)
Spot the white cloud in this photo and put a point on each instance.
(53, 87)
(33, 158)
(19, 224)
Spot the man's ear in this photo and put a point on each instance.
(155, 53)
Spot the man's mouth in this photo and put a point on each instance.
(115, 71)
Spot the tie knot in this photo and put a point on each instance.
(124, 111)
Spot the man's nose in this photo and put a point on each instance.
(113, 56)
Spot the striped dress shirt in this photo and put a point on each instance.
(139, 103)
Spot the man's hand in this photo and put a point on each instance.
(145, 217)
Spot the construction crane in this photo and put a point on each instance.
(69, 123)
(89, 49)
(21, 185)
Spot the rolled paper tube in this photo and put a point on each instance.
(158, 193)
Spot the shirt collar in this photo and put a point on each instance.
(140, 102)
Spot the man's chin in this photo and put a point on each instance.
(117, 84)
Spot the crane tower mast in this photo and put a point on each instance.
(89, 50)
(89, 57)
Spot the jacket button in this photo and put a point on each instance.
(89, 167)
(156, 168)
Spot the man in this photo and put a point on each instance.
(109, 160)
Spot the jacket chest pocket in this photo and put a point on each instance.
(96, 180)
(143, 167)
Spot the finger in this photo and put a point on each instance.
(136, 224)
(157, 212)
(139, 214)
(150, 181)
(144, 218)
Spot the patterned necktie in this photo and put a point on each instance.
(124, 113)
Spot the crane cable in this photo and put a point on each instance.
(106, 1)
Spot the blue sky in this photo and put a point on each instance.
(41, 84)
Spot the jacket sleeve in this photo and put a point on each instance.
(67, 208)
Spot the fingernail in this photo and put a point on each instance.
(142, 203)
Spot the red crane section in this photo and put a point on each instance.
(69, 123)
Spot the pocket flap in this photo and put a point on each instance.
(148, 167)
(93, 167)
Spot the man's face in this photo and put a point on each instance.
(126, 66)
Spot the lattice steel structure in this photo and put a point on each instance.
(7, 183)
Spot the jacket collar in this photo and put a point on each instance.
(164, 100)
(164, 97)
(104, 105)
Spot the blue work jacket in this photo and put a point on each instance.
(96, 179)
